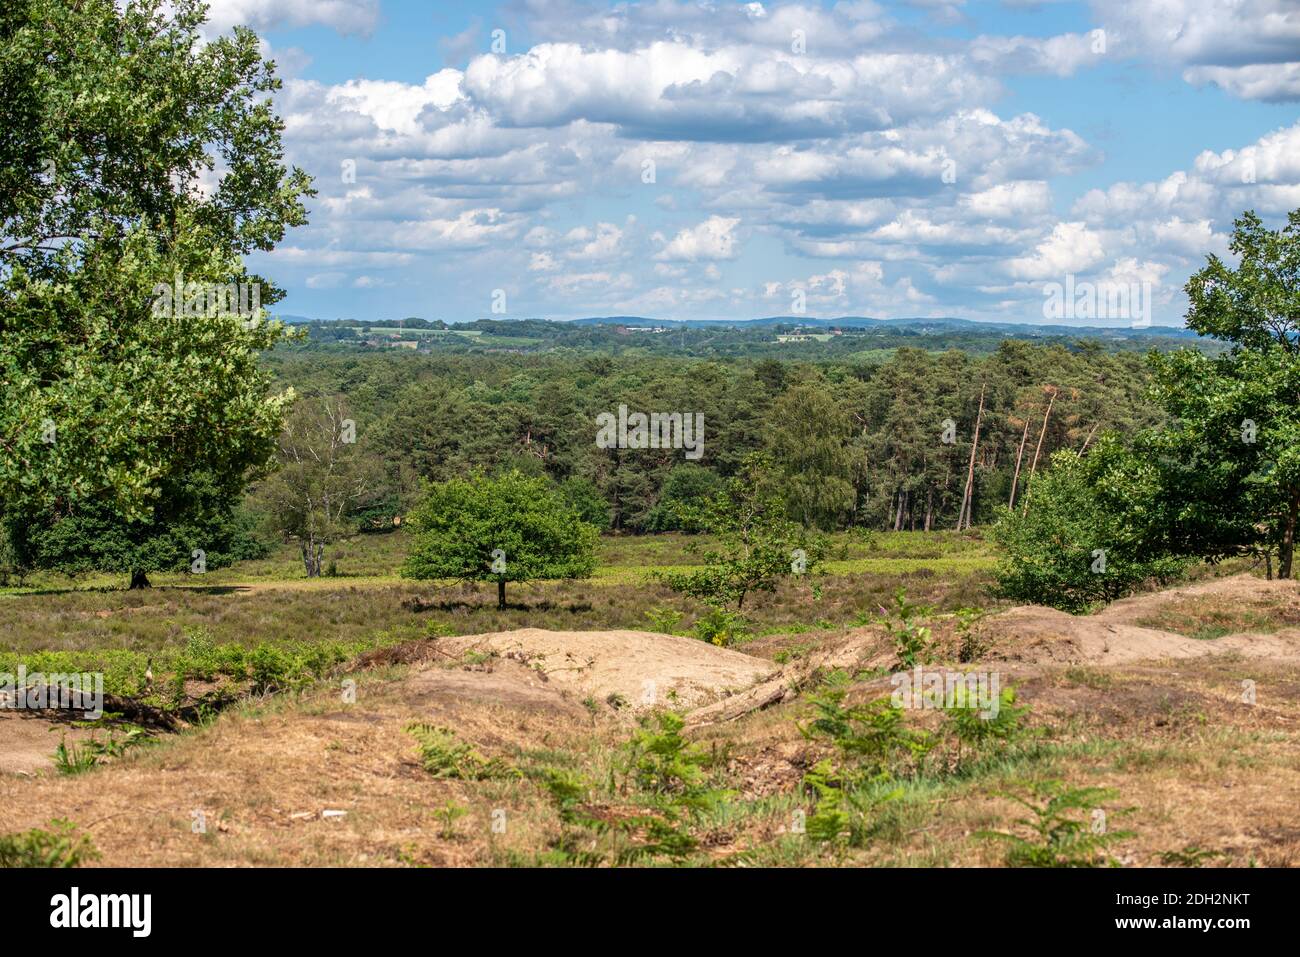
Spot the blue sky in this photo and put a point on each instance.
(732, 160)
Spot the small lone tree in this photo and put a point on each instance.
(754, 545)
(510, 528)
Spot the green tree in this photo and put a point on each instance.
(116, 393)
(1094, 530)
(323, 480)
(1233, 443)
(753, 546)
(810, 438)
(193, 527)
(584, 498)
(686, 484)
(509, 528)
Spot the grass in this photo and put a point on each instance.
(1207, 618)
(426, 780)
(269, 601)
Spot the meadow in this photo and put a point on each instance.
(234, 680)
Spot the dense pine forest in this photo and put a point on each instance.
(884, 445)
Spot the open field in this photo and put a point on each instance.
(1124, 700)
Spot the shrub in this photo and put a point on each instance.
(1090, 533)
(61, 846)
(1059, 838)
(873, 736)
(720, 627)
(911, 639)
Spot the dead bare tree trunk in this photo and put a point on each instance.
(964, 512)
(1088, 439)
(1042, 433)
(1015, 478)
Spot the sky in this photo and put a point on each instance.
(712, 160)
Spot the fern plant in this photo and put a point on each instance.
(445, 756)
(873, 736)
(60, 846)
(969, 726)
(1060, 838)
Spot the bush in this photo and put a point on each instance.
(61, 846)
(1092, 533)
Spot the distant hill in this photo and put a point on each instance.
(918, 324)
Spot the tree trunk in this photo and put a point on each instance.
(929, 506)
(1088, 439)
(1038, 449)
(139, 579)
(312, 555)
(501, 594)
(964, 511)
(1015, 478)
(1286, 550)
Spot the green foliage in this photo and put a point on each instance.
(721, 627)
(969, 646)
(661, 761)
(60, 846)
(1190, 856)
(973, 729)
(911, 639)
(445, 414)
(77, 759)
(1093, 531)
(829, 822)
(447, 816)
(664, 620)
(443, 755)
(873, 736)
(264, 667)
(1232, 447)
(811, 435)
(686, 484)
(91, 536)
(109, 402)
(462, 522)
(1060, 834)
(661, 765)
(1219, 477)
(585, 500)
(754, 546)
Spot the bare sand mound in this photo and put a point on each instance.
(1035, 634)
(643, 669)
(443, 693)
